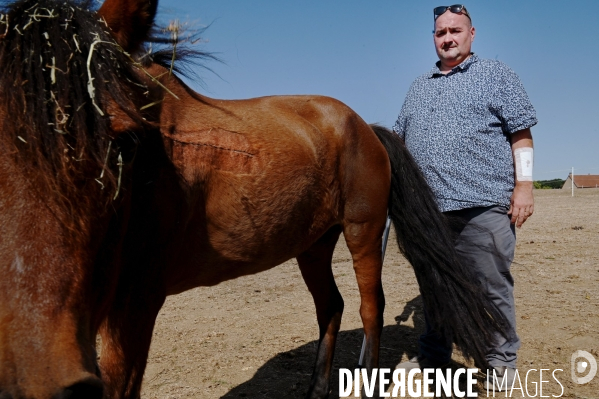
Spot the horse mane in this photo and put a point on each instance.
(55, 116)
(173, 48)
(61, 73)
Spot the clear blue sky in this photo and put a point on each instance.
(366, 53)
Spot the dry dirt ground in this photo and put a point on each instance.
(255, 337)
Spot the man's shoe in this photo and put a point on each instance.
(503, 381)
(421, 362)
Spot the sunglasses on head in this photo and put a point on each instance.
(456, 9)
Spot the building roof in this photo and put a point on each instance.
(586, 181)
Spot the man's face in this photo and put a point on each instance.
(453, 38)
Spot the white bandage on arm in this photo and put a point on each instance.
(523, 163)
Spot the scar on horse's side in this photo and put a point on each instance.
(215, 148)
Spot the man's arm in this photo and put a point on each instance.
(522, 202)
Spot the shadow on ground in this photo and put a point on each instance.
(287, 375)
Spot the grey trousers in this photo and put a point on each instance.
(494, 273)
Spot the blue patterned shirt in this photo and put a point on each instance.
(457, 127)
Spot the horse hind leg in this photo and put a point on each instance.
(316, 268)
(364, 241)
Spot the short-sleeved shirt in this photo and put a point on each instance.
(457, 127)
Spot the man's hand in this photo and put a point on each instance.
(522, 203)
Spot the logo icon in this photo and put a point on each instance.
(580, 366)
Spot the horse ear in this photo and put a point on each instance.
(129, 20)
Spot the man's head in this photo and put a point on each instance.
(453, 35)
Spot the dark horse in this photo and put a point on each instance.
(119, 186)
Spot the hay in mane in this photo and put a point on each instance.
(61, 69)
(62, 72)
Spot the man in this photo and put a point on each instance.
(467, 124)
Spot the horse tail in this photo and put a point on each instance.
(455, 301)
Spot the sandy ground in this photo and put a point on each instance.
(255, 337)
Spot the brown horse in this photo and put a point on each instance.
(238, 187)
(193, 191)
(69, 106)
